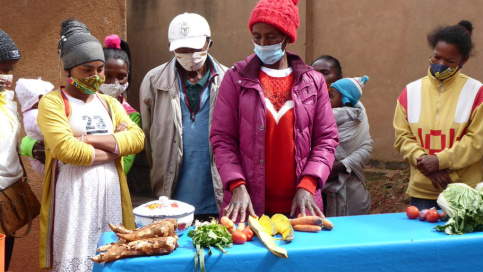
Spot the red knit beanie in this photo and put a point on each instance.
(282, 14)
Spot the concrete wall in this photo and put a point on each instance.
(34, 25)
(384, 39)
(148, 23)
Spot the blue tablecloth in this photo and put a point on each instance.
(382, 242)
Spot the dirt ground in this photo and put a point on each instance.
(387, 190)
(388, 193)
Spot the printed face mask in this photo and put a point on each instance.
(114, 90)
(5, 81)
(441, 71)
(192, 61)
(89, 85)
(269, 54)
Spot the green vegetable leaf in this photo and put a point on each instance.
(464, 206)
(206, 236)
(212, 235)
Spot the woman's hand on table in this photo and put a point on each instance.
(305, 201)
(428, 164)
(441, 179)
(240, 203)
(38, 151)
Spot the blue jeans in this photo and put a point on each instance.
(422, 203)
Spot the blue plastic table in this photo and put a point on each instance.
(382, 242)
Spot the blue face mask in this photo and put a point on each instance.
(269, 54)
(442, 72)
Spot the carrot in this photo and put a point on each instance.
(307, 220)
(307, 214)
(327, 224)
(241, 226)
(307, 228)
(225, 221)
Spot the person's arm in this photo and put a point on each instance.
(102, 156)
(323, 143)
(129, 159)
(27, 146)
(360, 157)
(103, 142)
(147, 103)
(128, 162)
(58, 136)
(224, 138)
(224, 135)
(325, 137)
(130, 140)
(136, 118)
(406, 143)
(469, 149)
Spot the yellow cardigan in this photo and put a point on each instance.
(60, 144)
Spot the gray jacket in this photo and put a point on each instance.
(163, 127)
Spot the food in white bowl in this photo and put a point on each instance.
(162, 209)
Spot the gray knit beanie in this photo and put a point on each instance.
(8, 49)
(77, 45)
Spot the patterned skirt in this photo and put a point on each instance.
(86, 199)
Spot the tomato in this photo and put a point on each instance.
(239, 237)
(412, 212)
(249, 233)
(432, 216)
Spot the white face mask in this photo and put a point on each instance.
(5, 81)
(192, 61)
(113, 90)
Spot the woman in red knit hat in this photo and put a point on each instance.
(273, 132)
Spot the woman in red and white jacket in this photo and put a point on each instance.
(439, 120)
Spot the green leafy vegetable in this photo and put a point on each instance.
(209, 235)
(464, 205)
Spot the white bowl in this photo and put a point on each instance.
(163, 209)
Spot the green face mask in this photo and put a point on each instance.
(89, 85)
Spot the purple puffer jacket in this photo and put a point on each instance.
(238, 128)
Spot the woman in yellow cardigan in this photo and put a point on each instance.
(85, 134)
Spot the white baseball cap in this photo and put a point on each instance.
(188, 30)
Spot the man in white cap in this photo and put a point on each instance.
(177, 102)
